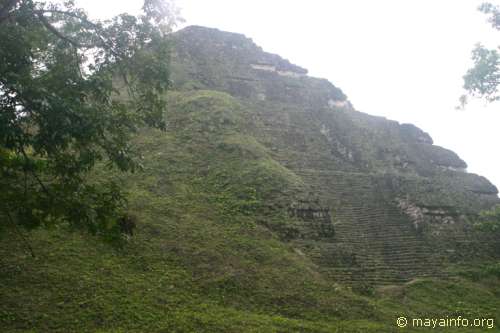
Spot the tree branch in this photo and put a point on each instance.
(78, 64)
(19, 232)
(104, 43)
(71, 14)
(56, 32)
(42, 185)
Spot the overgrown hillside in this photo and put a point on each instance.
(246, 227)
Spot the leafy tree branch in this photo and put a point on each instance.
(73, 92)
(482, 80)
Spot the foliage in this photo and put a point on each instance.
(483, 78)
(190, 268)
(203, 258)
(490, 219)
(72, 94)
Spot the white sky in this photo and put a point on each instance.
(401, 59)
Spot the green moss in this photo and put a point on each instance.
(209, 253)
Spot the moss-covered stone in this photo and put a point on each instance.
(355, 170)
(268, 205)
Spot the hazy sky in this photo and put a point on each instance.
(401, 59)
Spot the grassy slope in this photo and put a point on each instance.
(209, 254)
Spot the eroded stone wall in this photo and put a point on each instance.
(380, 202)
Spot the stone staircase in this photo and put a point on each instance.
(373, 241)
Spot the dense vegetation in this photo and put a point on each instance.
(210, 251)
(204, 257)
(72, 93)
